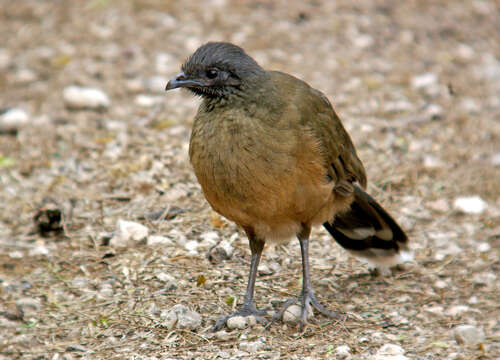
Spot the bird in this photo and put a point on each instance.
(272, 155)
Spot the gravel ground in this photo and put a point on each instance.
(108, 249)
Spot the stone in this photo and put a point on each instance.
(424, 80)
(12, 120)
(468, 335)
(237, 322)
(181, 317)
(470, 204)
(28, 306)
(390, 352)
(251, 346)
(158, 240)
(457, 310)
(169, 280)
(293, 313)
(76, 97)
(126, 231)
(39, 250)
(147, 101)
(343, 352)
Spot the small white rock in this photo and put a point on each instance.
(469, 335)
(169, 280)
(251, 346)
(182, 318)
(483, 247)
(126, 231)
(457, 310)
(390, 352)
(495, 159)
(424, 80)
(76, 97)
(158, 240)
(487, 279)
(472, 300)
(28, 305)
(470, 204)
(432, 162)
(13, 119)
(343, 352)
(293, 314)
(237, 322)
(39, 250)
(16, 254)
(147, 101)
(440, 284)
(191, 246)
(434, 111)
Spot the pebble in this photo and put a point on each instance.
(126, 231)
(293, 313)
(16, 254)
(252, 346)
(76, 97)
(390, 352)
(39, 250)
(424, 80)
(343, 352)
(470, 204)
(238, 322)
(432, 162)
(28, 305)
(147, 101)
(457, 310)
(483, 247)
(495, 159)
(469, 335)
(182, 317)
(487, 279)
(158, 240)
(191, 246)
(434, 111)
(12, 120)
(169, 280)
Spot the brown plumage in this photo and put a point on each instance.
(271, 155)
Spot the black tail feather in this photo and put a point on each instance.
(368, 231)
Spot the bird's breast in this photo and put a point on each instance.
(252, 172)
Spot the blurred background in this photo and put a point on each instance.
(88, 137)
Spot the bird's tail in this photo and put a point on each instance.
(369, 232)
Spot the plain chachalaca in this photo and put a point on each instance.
(271, 155)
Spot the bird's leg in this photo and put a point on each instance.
(307, 297)
(248, 307)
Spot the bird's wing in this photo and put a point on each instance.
(339, 151)
(317, 115)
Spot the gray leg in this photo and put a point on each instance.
(248, 307)
(307, 297)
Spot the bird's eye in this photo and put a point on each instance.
(212, 73)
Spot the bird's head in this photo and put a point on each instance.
(216, 70)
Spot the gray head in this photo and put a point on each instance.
(216, 69)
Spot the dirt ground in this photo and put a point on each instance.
(417, 84)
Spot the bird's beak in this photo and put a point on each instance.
(181, 80)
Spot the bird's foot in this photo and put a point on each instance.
(307, 301)
(245, 310)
